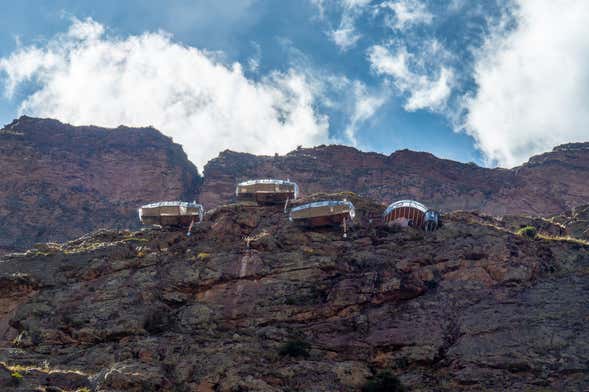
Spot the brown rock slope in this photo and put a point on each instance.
(60, 181)
(469, 307)
(548, 184)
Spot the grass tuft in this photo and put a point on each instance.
(134, 239)
(571, 240)
(528, 231)
(203, 256)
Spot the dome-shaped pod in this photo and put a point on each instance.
(411, 213)
(267, 191)
(171, 213)
(323, 213)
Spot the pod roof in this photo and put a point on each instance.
(405, 203)
(185, 204)
(269, 181)
(327, 203)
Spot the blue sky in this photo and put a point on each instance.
(264, 76)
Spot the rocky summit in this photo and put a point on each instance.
(60, 181)
(253, 302)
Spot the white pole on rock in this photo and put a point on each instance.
(190, 228)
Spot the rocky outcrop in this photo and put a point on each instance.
(60, 181)
(548, 184)
(575, 222)
(253, 302)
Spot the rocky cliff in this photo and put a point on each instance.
(251, 302)
(548, 184)
(60, 181)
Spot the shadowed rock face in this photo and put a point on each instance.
(468, 307)
(60, 181)
(548, 184)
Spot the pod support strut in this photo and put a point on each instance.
(190, 228)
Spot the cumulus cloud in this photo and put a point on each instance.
(532, 82)
(85, 76)
(424, 90)
(407, 13)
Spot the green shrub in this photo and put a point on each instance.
(134, 239)
(203, 256)
(528, 231)
(16, 377)
(383, 382)
(295, 348)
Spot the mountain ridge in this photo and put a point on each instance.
(548, 183)
(61, 181)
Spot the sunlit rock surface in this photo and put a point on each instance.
(59, 181)
(548, 184)
(469, 307)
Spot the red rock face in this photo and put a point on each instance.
(548, 184)
(60, 181)
(469, 307)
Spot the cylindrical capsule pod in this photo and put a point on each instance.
(411, 213)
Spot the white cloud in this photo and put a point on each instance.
(86, 77)
(85, 30)
(320, 5)
(253, 62)
(425, 90)
(366, 104)
(346, 36)
(401, 14)
(352, 101)
(407, 13)
(533, 83)
(356, 3)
